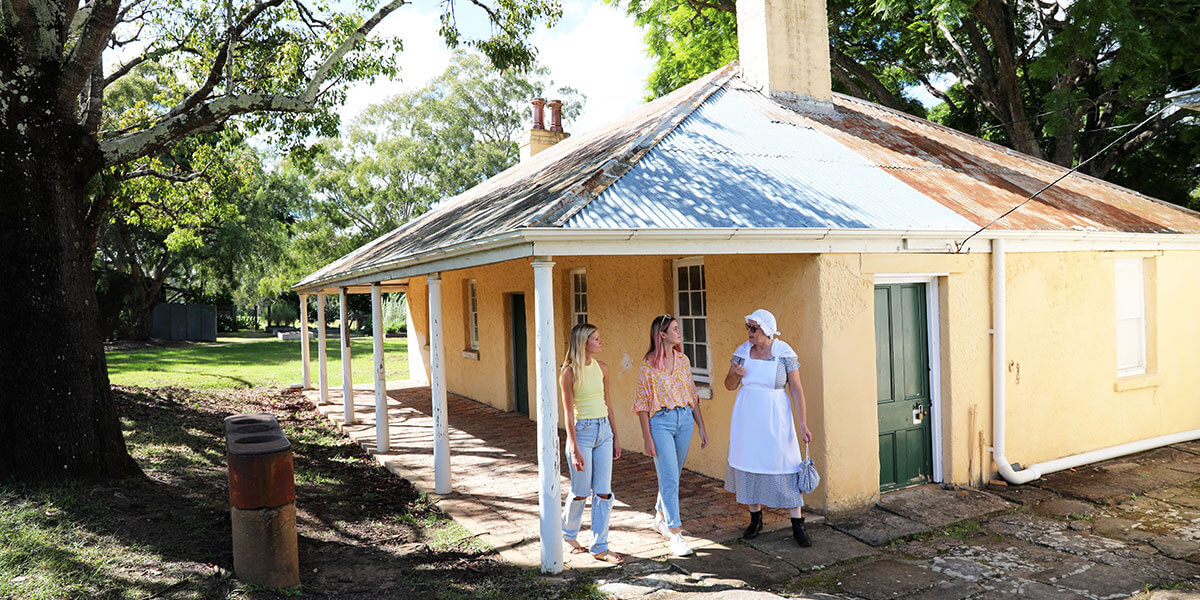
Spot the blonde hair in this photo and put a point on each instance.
(577, 349)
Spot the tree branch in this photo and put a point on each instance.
(86, 53)
(95, 100)
(1101, 166)
(173, 127)
(882, 95)
(218, 66)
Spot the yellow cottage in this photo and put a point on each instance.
(935, 344)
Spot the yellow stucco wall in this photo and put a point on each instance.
(1062, 338)
(1061, 332)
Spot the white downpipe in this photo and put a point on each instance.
(550, 499)
(383, 433)
(322, 362)
(305, 378)
(347, 377)
(999, 380)
(437, 388)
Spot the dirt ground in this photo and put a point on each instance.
(363, 532)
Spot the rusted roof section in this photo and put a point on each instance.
(539, 191)
(981, 180)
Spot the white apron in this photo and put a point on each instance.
(762, 436)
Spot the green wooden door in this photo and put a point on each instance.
(902, 385)
(520, 355)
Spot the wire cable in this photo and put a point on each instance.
(1010, 211)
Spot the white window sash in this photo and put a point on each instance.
(702, 375)
(473, 308)
(1130, 312)
(578, 316)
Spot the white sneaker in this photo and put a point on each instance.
(661, 527)
(678, 546)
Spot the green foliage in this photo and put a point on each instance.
(688, 43)
(405, 154)
(394, 313)
(1058, 81)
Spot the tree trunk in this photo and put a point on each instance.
(57, 417)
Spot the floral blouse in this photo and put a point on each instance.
(659, 389)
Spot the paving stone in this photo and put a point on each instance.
(1182, 496)
(1175, 547)
(1080, 525)
(1051, 534)
(935, 507)
(1098, 579)
(876, 526)
(1093, 484)
(947, 590)
(1022, 494)
(1028, 590)
(963, 568)
(736, 561)
(1163, 517)
(829, 547)
(1120, 529)
(1001, 557)
(730, 594)
(1172, 595)
(1064, 508)
(886, 579)
(632, 589)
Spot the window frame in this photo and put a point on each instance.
(1135, 270)
(700, 375)
(575, 294)
(472, 315)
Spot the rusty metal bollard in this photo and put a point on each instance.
(262, 492)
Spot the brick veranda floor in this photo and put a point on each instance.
(493, 464)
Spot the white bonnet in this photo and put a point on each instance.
(765, 320)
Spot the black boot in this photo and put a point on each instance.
(799, 534)
(755, 525)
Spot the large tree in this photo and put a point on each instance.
(404, 154)
(244, 65)
(1056, 80)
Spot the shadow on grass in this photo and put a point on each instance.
(364, 532)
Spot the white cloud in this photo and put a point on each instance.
(595, 48)
(598, 50)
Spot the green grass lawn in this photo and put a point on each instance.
(241, 362)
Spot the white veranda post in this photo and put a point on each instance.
(323, 367)
(437, 387)
(305, 379)
(347, 379)
(383, 432)
(549, 500)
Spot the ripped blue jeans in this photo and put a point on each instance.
(595, 440)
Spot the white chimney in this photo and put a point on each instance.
(783, 48)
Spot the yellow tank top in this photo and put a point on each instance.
(589, 393)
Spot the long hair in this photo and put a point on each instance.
(577, 349)
(657, 354)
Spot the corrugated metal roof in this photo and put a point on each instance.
(741, 160)
(719, 154)
(532, 191)
(981, 180)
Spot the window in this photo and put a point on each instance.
(579, 306)
(472, 316)
(691, 308)
(1131, 316)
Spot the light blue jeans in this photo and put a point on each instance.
(595, 440)
(671, 431)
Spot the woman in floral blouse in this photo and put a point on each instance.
(667, 403)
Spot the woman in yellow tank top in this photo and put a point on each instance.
(591, 441)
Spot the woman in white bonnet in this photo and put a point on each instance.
(764, 452)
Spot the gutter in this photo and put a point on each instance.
(1013, 473)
